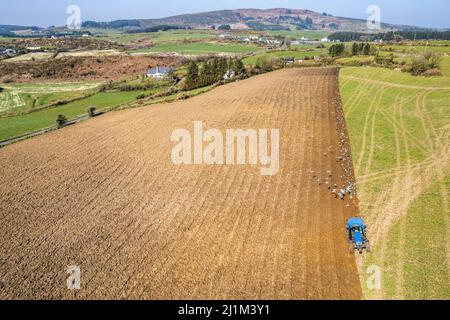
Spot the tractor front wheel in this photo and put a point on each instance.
(351, 249)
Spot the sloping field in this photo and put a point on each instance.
(399, 128)
(105, 196)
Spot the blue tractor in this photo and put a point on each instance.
(357, 235)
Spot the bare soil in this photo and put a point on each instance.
(83, 68)
(104, 195)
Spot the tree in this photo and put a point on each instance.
(225, 27)
(61, 121)
(366, 50)
(91, 112)
(355, 49)
(337, 49)
(434, 60)
(419, 65)
(239, 67)
(334, 26)
(192, 74)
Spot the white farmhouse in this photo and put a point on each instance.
(158, 73)
(230, 74)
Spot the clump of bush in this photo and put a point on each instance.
(212, 71)
(266, 64)
(61, 121)
(432, 73)
(142, 96)
(183, 96)
(142, 84)
(337, 50)
(423, 64)
(384, 61)
(91, 112)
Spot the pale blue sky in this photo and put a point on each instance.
(431, 13)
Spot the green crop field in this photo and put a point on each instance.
(399, 128)
(283, 54)
(200, 48)
(22, 97)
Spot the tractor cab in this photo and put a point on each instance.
(357, 235)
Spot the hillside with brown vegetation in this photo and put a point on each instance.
(83, 68)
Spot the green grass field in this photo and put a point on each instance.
(416, 48)
(298, 34)
(164, 36)
(205, 35)
(283, 54)
(20, 97)
(17, 125)
(399, 128)
(356, 59)
(200, 48)
(445, 66)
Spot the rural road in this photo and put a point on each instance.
(104, 195)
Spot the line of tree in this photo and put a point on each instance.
(361, 48)
(212, 71)
(224, 27)
(391, 35)
(163, 27)
(308, 24)
(337, 50)
(112, 24)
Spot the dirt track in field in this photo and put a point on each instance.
(104, 195)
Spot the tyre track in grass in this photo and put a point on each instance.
(362, 153)
(363, 88)
(438, 144)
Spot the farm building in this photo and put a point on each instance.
(288, 60)
(7, 52)
(230, 74)
(158, 72)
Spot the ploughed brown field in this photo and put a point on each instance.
(104, 195)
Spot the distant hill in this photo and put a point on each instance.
(9, 30)
(255, 19)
